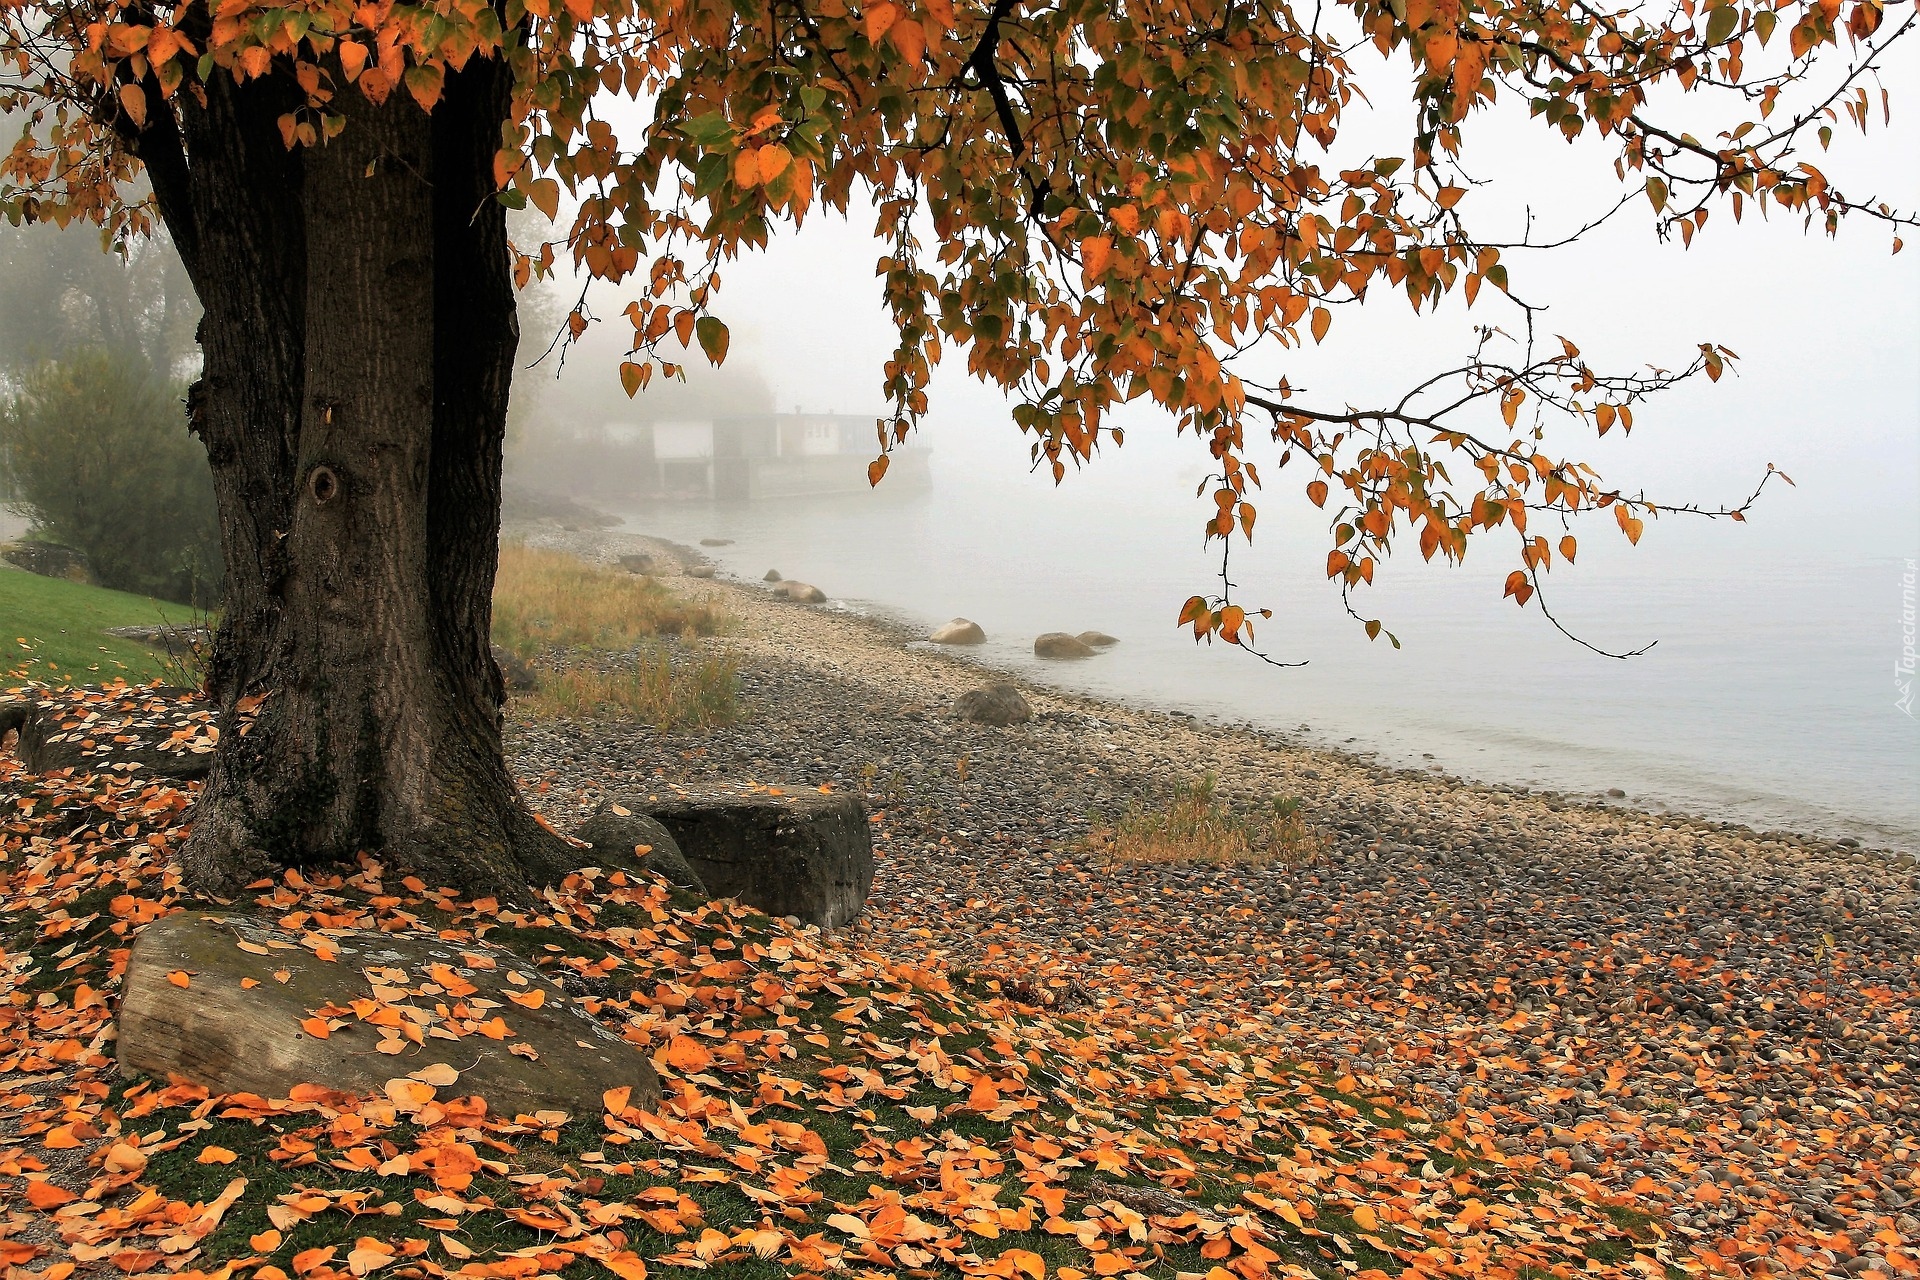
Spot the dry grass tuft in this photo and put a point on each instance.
(604, 645)
(544, 600)
(667, 690)
(1197, 827)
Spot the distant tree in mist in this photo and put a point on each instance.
(59, 294)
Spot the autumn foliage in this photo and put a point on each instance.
(1094, 203)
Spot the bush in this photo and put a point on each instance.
(102, 462)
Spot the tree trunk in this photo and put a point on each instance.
(358, 335)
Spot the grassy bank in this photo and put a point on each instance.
(55, 631)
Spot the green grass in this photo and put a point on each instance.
(52, 630)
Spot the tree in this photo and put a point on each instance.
(100, 449)
(1099, 200)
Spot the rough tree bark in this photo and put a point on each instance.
(358, 340)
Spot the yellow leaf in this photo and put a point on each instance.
(133, 100)
(771, 161)
(1364, 1219)
(438, 1074)
(545, 195)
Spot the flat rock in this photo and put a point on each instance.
(716, 542)
(155, 729)
(807, 855)
(633, 841)
(234, 1039)
(995, 704)
(800, 592)
(1097, 639)
(1058, 644)
(959, 631)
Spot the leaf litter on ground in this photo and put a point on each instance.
(828, 1109)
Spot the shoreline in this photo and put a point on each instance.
(603, 545)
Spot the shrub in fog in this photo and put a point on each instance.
(101, 461)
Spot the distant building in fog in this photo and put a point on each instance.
(766, 455)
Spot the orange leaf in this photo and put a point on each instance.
(910, 39)
(684, 1053)
(879, 19)
(179, 978)
(215, 1155)
(42, 1194)
(1095, 253)
(1322, 321)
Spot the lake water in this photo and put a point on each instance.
(1769, 699)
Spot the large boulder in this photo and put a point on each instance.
(716, 542)
(959, 631)
(164, 731)
(1097, 639)
(1058, 644)
(633, 841)
(996, 704)
(772, 575)
(808, 855)
(699, 571)
(640, 562)
(799, 592)
(332, 1010)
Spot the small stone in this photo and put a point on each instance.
(639, 563)
(959, 631)
(1058, 644)
(772, 575)
(995, 704)
(1615, 793)
(1097, 639)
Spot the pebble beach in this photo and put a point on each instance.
(1704, 1016)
